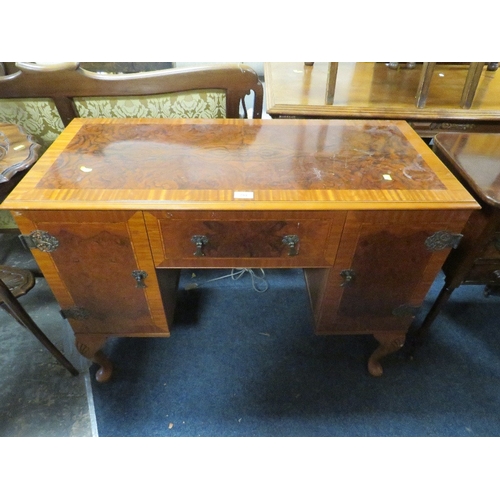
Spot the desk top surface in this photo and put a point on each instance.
(476, 158)
(159, 164)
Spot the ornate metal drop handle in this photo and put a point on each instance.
(348, 275)
(199, 241)
(291, 240)
(139, 277)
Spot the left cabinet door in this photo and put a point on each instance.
(91, 270)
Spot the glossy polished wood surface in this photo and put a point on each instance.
(148, 164)
(476, 157)
(373, 90)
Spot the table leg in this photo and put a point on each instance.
(331, 81)
(471, 83)
(90, 346)
(417, 337)
(389, 343)
(424, 83)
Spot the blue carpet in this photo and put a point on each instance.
(242, 363)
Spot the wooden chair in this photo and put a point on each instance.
(15, 282)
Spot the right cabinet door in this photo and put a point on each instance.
(386, 263)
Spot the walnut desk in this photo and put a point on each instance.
(117, 207)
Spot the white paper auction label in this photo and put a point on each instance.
(243, 195)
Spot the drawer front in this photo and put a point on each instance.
(222, 242)
(239, 239)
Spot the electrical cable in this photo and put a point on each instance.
(259, 283)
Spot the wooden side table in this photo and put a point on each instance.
(475, 161)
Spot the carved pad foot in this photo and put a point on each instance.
(90, 346)
(389, 343)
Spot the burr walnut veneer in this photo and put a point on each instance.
(116, 208)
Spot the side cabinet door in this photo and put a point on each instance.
(90, 271)
(384, 269)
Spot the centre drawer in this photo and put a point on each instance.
(180, 241)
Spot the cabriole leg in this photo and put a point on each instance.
(90, 346)
(389, 343)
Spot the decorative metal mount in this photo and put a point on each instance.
(348, 275)
(291, 240)
(442, 239)
(41, 240)
(139, 277)
(199, 241)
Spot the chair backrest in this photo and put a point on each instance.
(44, 98)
